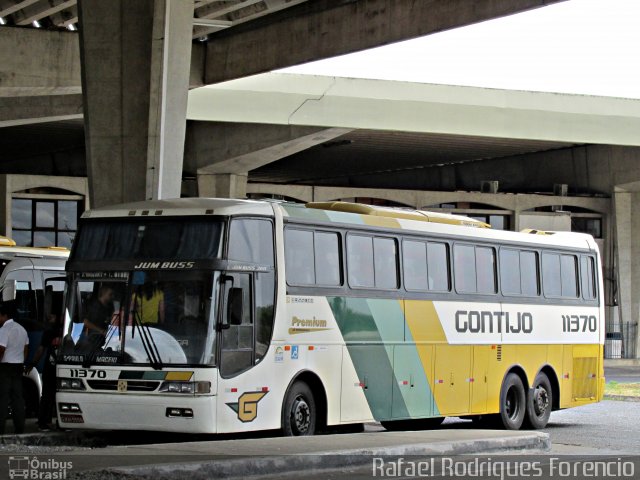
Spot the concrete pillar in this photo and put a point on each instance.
(170, 68)
(627, 229)
(135, 72)
(224, 185)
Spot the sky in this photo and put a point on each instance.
(589, 47)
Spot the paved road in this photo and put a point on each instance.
(605, 427)
(609, 428)
(622, 374)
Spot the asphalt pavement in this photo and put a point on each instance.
(622, 374)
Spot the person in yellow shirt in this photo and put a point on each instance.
(148, 304)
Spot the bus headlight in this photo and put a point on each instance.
(186, 387)
(70, 384)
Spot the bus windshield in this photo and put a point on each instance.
(153, 318)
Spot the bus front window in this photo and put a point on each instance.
(156, 318)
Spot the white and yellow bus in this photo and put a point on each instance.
(207, 315)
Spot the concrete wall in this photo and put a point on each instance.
(11, 184)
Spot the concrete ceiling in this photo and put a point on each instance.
(371, 155)
(209, 15)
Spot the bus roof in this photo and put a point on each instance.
(405, 213)
(182, 206)
(9, 252)
(342, 213)
(436, 223)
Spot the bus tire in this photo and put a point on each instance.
(512, 402)
(539, 402)
(299, 411)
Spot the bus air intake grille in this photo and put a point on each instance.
(499, 353)
(132, 385)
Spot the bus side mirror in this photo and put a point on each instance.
(9, 290)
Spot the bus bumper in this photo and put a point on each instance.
(136, 412)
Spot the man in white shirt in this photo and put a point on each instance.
(14, 345)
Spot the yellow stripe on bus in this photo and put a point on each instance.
(184, 376)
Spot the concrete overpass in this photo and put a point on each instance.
(138, 61)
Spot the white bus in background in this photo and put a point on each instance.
(34, 278)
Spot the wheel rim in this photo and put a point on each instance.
(540, 401)
(300, 415)
(512, 403)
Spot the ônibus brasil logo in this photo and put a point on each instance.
(37, 469)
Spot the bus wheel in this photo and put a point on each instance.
(539, 402)
(512, 402)
(299, 411)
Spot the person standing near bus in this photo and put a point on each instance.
(47, 349)
(14, 345)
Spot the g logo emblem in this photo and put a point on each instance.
(247, 406)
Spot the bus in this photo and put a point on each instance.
(34, 278)
(261, 315)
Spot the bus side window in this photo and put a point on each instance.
(587, 274)
(26, 309)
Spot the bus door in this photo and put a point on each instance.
(479, 378)
(452, 378)
(246, 322)
(237, 332)
(246, 314)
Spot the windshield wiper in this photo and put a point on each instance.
(149, 344)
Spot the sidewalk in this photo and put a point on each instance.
(275, 455)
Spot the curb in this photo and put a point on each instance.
(53, 439)
(330, 460)
(622, 398)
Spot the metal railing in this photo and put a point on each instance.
(620, 340)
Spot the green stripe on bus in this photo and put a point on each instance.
(365, 324)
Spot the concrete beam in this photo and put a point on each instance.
(38, 62)
(289, 99)
(26, 110)
(327, 28)
(250, 161)
(422, 199)
(211, 143)
(222, 186)
(47, 62)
